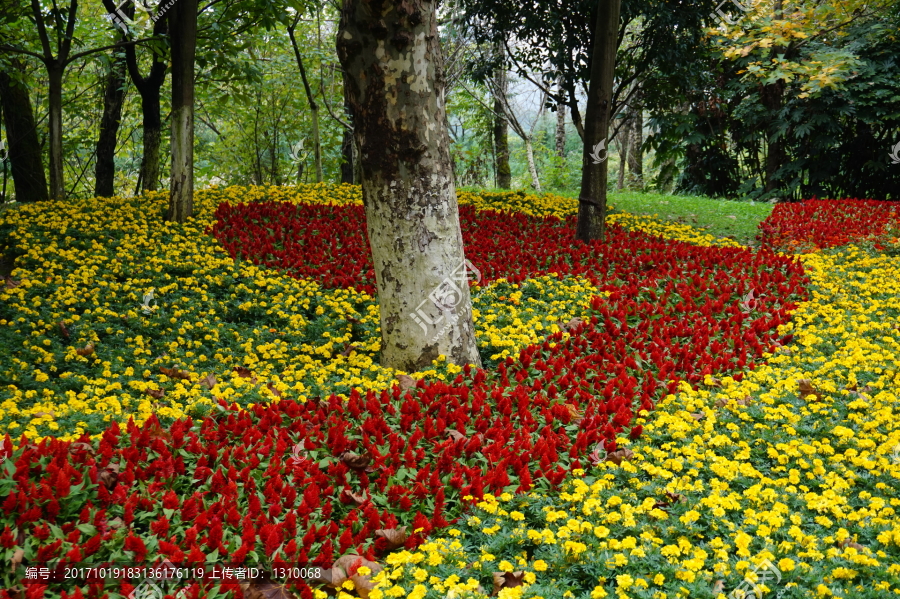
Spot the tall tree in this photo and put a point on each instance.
(113, 99)
(594, 170)
(183, 31)
(501, 124)
(23, 147)
(311, 98)
(391, 53)
(149, 88)
(636, 143)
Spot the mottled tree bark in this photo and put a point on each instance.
(561, 130)
(391, 53)
(113, 99)
(22, 143)
(183, 25)
(592, 199)
(501, 129)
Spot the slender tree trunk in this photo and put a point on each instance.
(23, 147)
(390, 50)
(113, 99)
(561, 130)
(313, 106)
(592, 200)
(501, 129)
(152, 138)
(54, 93)
(183, 23)
(635, 149)
(532, 168)
(348, 145)
(773, 100)
(347, 157)
(622, 141)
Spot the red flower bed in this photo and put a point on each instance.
(826, 223)
(310, 482)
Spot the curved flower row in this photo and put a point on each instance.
(312, 479)
(781, 484)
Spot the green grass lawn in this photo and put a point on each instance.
(722, 218)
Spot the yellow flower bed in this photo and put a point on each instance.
(260, 334)
(783, 484)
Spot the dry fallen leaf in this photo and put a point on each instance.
(395, 537)
(348, 496)
(406, 381)
(354, 461)
(619, 456)
(243, 372)
(698, 416)
(806, 388)
(265, 589)
(12, 283)
(17, 558)
(718, 587)
(155, 393)
(64, 331)
(507, 580)
(209, 381)
(347, 568)
(85, 351)
(109, 476)
(455, 435)
(572, 324)
(77, 447)
(851, 543)
(348, 349)
(174, 373)
(273, 390)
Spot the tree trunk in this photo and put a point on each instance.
(54, 93)
(113, 99)
(149, 89)
(348, 145)
(532, 169)
(592, 199)
(773, 99)
(347, 156)
(390, 50)
(23, 147)
(183, 23)
(635, 149)
(622, 141)
(313, 106)
(501, 130)
(152, 125)
(561, 130)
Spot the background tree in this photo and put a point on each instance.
(113, 100)
(22, 145)
(592, 199)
